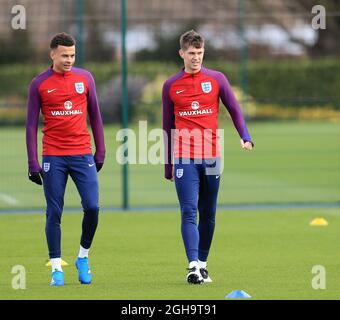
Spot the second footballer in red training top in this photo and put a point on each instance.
(192, 155)
(66, 97)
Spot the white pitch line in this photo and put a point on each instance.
(8, 199)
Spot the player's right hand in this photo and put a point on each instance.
(99, 166)
(36, 177)
(247, 145)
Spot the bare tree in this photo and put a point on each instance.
(281, 12)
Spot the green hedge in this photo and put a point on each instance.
(15, 78)
(290, 83)
(287, 83)
(308, 83)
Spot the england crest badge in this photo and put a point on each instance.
(179, 173)
(46, 166)
(206, 86)
(79, 87)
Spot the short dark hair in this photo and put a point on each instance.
(191, 38)
(62, 39)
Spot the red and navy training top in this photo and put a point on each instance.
(190, 105)
(65, 100)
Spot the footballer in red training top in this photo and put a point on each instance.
(192, 156)
(66, 97)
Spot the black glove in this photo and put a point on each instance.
(99, 166)
(36, 177)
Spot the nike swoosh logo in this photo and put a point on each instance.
(179, 91)
(217, 177)
(49, 91)
(91, 165)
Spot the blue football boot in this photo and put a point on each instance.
(84, 272)
(57, 278)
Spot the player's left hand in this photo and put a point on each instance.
(246, 145)
(36, 177)
(99, 166)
